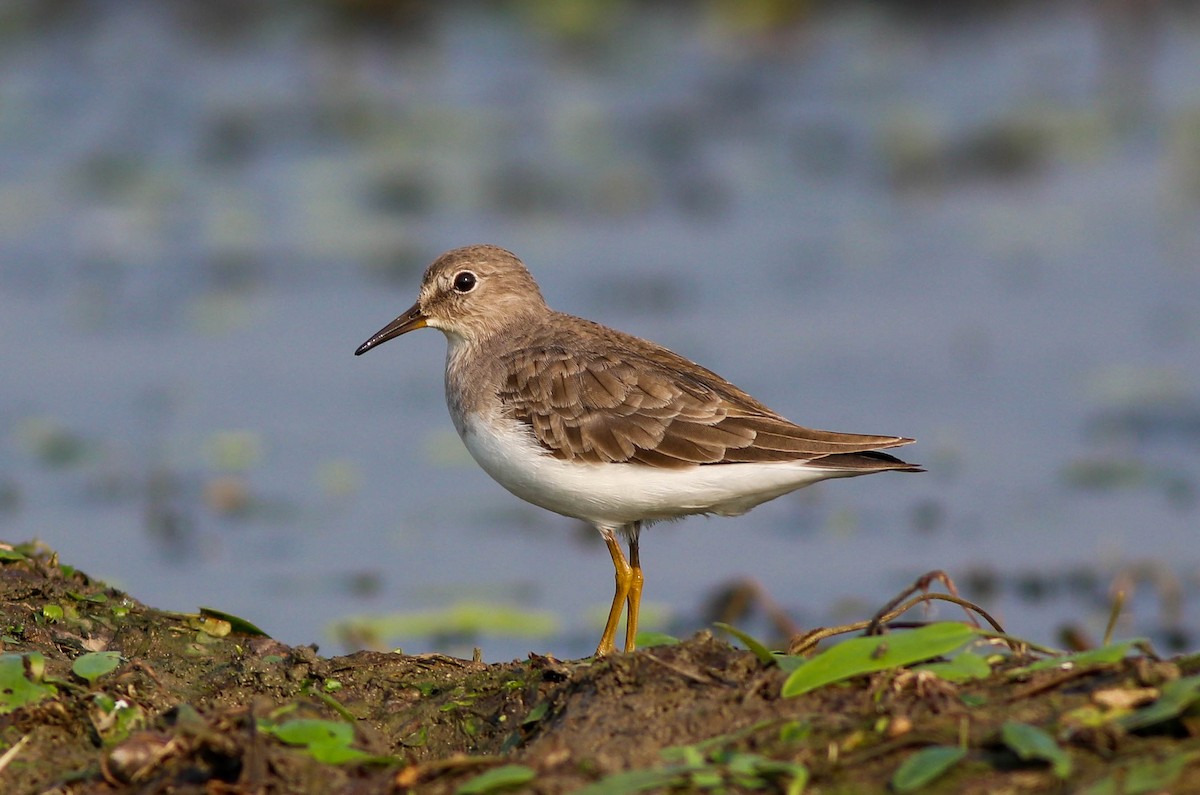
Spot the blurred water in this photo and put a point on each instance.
(978, 232)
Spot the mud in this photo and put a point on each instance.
(191, 701)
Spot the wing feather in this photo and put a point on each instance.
(650, 406)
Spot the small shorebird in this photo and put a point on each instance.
(599, 425)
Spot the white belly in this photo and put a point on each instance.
(616, 494)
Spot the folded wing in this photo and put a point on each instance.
(665, 411)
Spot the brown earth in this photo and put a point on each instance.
(196, 700)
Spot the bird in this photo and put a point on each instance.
(603, 426)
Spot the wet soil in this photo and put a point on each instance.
(191, 701)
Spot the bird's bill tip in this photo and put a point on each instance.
(411, 320)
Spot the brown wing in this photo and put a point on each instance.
(672, 413)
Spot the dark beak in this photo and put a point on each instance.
(409, 321)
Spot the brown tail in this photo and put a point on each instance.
(866, 461)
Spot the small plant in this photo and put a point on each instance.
(1030, 742)
(497, 780)
(327, 741)
(115, 718)
(876, 653)
(926, 766)
(19, 687)
(710, 766)
(95, 664)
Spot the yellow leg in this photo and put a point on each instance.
(635, 590)
(624, 583)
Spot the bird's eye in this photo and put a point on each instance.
(464, 282)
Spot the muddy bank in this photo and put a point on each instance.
(202, 704)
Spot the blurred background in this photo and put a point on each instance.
(980, 229)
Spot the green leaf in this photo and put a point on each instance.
(799, 780)
(707, 778)
(1143, 777)
(925, 766)
(1105, 655)
(16, 689)
(634, 781)
(97, 598)
(36, 661)
(1155, 776)
(417, 739)
(764, 655)
(876, 653)
(95, 664)
(789, 662)
(962, 667)
(307, 731)
(335, 754)
(761, 766)
(796, 773)
(52, 612)
(326, 741)
(237, 624)
(537, 713)
(687, 756)
(744, 764)
(11, 554)
(1030, 742)
(647, 639)
(496, 779)
(1177, 696)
